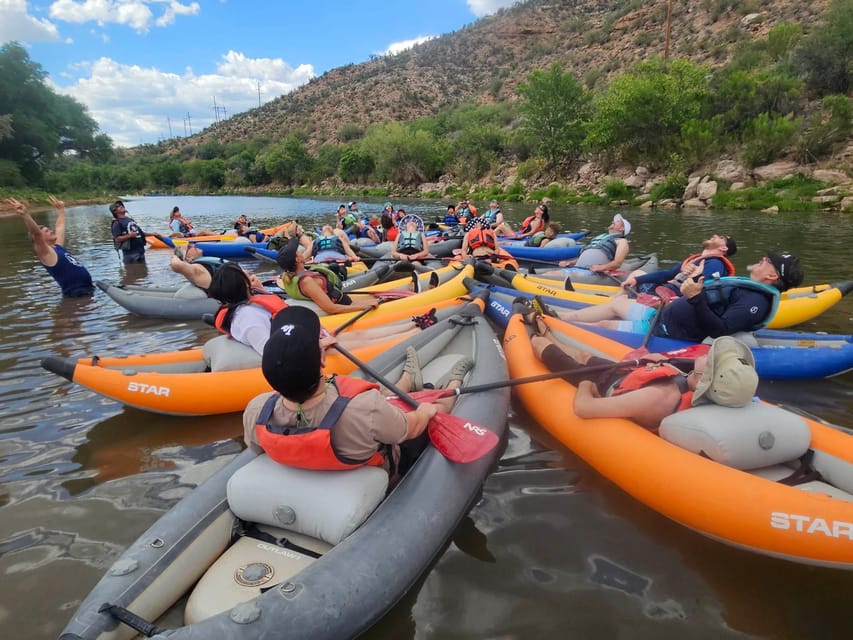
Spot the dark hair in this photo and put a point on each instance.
(230, 285)
(175, 209)
(546, 217)
(386, 221)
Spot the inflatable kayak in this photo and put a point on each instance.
(164, 241)
(779, 355)
(220, 377)
(575, 275)
(795, 305)
(565, 239)
(189, 302)
(719, 471)
(268, 551)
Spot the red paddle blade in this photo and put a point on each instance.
(693, 351)
(392, 294)
(460, 440)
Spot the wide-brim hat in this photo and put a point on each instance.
(729, 378)
(411, 218)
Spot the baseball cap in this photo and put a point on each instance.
(291, 361)
(617, 218)
(788, 268)
(352, 204)
(286, 256)
(729, 378)
(115, 205)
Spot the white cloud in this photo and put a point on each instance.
(132, 103)
(136, 14)
(17, 24)
(482, 8)
(397, 47)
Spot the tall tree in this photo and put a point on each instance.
(554, 107)
(39, 123)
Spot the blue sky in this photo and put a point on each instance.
(143, 65)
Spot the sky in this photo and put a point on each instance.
(148, 70)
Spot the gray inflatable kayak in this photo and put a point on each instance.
(268, 551)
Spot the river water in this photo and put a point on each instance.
(551, 548)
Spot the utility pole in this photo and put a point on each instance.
(259, 93)
(169, 122)
(218, 110)
(668, 28)
(189, 123)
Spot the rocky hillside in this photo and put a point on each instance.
(485, 61)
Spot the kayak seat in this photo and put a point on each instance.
(747, 337)
(834, 470)
(326, 505)
(226, 354)
(757, 435)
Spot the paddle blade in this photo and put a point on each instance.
(392, 294)
(460, 440)
(427, 395)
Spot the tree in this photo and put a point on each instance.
(37, 123)
(640, 114)
(554, 108)
(825, 56)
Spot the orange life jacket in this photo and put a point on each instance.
(268, 301)
(690, 260)
(527, 225)
(479, 237)
(311, 447)
(644, 376)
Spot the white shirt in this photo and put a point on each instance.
(250, 324)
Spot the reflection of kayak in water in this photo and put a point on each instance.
(277, 548)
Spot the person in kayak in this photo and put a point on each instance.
(542, 238)
(411, 242)
(716, 253)
(183, 228)
(302, 422)
(334, 243)
(246, 313)
(649, 393)
(316, 282)
(191, 263)
(243, 227)
(716, 308)
(606, 251)
(70, 274)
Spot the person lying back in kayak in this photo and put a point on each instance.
(606, 251)
(183, 228)
(481, 243)
(649, 393)
(245, 314)
(706, 309)
(331, 243)
(191, 263)
(666, 283)
(316, 282)
(72, 277)
(411, 242)
(304, 423)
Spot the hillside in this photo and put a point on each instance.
(484, 62)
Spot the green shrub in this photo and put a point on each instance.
(831, 125)
(766, 137)
(672, 187)
(617, 190)
(528, 168)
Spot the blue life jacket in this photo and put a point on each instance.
(719, 294)
(410, 242)
(606, 242)
(328, 243)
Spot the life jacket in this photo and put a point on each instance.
(185, 225)
(644, 376)
(349, 220)
(489, 215)
(696, 257)
(719, 294)
(211, 265)
(328, 243)
(672, 289)
(331, 283)
(606, 242)
(535, 240)
(479, 237)
(410, 242)
(270, 302)
(451, 221)
(527, 225)
(311, 447)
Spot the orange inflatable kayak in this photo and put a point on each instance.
(750, 508)
(221, 377)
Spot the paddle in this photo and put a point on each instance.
(354, 319)
(431, 395)
(457, 439)
(653, 324)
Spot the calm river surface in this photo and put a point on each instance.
(552, 549)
